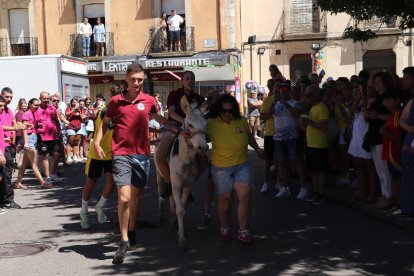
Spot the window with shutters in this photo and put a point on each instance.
(380, 60)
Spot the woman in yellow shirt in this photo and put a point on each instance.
(230, 135)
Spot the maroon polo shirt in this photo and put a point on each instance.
(174, 99)
(131, 132)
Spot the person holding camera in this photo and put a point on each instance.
(75, 116)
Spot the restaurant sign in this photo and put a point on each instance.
(174, 63)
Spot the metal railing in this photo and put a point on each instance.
(18, 46)
(160, 41)
(76, 47)
(304, 21)
(376, 23)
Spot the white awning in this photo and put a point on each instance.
(219, 73)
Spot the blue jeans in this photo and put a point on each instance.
(86, 43)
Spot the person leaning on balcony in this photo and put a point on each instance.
(99, 37)
(86, 32)
(174, 22)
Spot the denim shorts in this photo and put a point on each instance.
(225, 177)
(175, 35)
(131, 169)
(288, 149)
(32, 140)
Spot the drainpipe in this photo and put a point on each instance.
(44, 26)
(219, 46)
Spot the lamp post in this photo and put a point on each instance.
(260, 52)
(251, 41)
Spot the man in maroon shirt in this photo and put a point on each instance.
(176, 116)
(131, 112)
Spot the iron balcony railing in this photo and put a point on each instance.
(304, 21)
(160, 41)
(76, 47)
(18, 46)
(376, 24)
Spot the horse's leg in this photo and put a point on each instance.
(161, 200)
(180, 212)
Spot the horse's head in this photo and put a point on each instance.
(195, 123)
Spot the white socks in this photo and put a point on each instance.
(102, 201)
(85, 205)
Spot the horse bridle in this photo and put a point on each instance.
(192, 134)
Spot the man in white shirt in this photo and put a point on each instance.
(174, 22)
(86, 32)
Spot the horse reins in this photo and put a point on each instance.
(192, 134)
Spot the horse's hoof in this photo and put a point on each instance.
(182, 245)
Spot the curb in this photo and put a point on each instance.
(343, 195)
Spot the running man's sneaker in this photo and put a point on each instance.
(121, 252)
(3, 211)
(283, 192)
(224, 234)
(84, 220)
(12, 205)
(102, 218)
(303, 193)
(265, 188)
(55, 178)
(132, 241)
(205, 221)
(244, 236)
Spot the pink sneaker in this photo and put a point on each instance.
(244, 236)
(224, 233)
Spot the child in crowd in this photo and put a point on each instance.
(391, 150)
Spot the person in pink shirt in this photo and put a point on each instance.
(2, 147)
(9, 126)
(30, 144)
(48, 129)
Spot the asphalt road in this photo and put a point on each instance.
(291, 237)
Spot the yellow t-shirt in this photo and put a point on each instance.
(317, 138)
(229, 141)
(269, 126)
(339, 117)
(105, 142)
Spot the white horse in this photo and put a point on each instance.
(183, 164)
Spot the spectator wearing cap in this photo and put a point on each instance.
(286, 113)
(174, 22)
(254, 114)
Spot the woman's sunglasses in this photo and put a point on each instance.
(226, 110)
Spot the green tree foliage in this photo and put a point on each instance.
(365, 10)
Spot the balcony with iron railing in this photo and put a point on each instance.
(376, 24)
(18, 46)
(159, 42)
(299, 22)
(76, 45)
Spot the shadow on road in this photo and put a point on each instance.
(291, 237)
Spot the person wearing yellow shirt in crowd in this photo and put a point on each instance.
(317, 140)
(93, 170)
(266, 114)
(230, 136)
